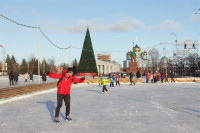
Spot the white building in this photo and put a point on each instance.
(106, 67)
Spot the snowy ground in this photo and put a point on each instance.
(144, 108)
(4, 80)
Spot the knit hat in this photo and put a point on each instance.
(69, 70)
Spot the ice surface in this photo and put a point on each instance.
(144, 108)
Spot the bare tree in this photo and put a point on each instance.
(52, 65)
(154, 56)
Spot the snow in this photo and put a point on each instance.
(152, 108)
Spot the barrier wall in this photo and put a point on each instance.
(21, 90)
(15, 91)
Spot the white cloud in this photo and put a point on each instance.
(168, 25)
(57, 27)
(126, 24)
(122, 25)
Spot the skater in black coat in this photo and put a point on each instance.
(11, 77)
(16, 75)
(44, 77)
(131, 79)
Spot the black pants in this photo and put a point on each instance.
(131, 82)
(60, 98)
(172, 79)
(117, 82)
(111, 84)
(161, 80)
(11, 81)
(104, 88)
(147, 80)
(154, 80)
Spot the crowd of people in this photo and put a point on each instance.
(157, 77)
(150, 78)
(14, 77)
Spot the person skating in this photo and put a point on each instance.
(138, 75)
(131, 79)
(111, 82)
(155, 76)
(31, 77)
(26, 76)
(172, 76)
(100, 79)
(16, 75)
(63, 90)
(147, 77)
(117, 79)
(11, 77)
(151, 77)
(104, 86)
(162, 77)
(44, 78)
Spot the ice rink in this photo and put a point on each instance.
(144, 108)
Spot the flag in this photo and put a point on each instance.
(1, 46)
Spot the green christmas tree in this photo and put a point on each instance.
(87, 62)
(23, 67)
(9, 64)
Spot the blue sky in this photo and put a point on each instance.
(114, 26)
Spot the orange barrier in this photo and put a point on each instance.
(123, 80)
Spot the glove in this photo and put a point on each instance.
(83, 78)
(47, 72)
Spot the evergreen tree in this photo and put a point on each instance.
(87, 62)
(9, 64)
(15, 64)
(64, 66)
(44, 67)
(32, 65)
(23, 67)
(75, 66)
(35, 70)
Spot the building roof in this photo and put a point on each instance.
(136, 46)
(164, 57)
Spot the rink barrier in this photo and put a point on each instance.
(22, 90)
(123, 80)
(192, 79)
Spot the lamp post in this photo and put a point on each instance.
(196, 13)
(2, 63)
(38, 54)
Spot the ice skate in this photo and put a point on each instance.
(56, 120)
(68, 118)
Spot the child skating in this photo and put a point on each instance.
(63, 90)
(111, 82)
(104, 86)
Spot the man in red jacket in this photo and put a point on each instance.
(63, 90)
(147, 77)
